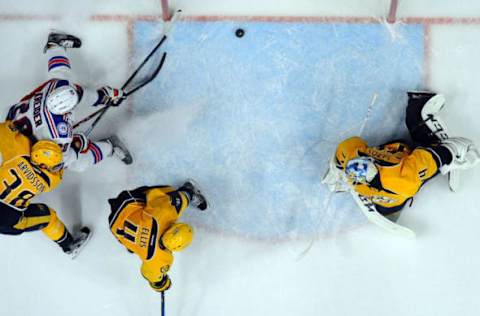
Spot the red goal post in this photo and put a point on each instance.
(165, 10)
(392, 13)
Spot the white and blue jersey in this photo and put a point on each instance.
(34, 119)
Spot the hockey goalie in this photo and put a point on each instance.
(383, 179)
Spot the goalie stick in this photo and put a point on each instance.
(337, 182)
(370, 211)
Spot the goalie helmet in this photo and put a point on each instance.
(361, 170)
(47, 155)
(177, 237)
(62, 100)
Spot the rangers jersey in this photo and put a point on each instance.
(33, 118)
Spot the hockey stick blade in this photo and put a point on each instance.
(370, 211)
(150, 79)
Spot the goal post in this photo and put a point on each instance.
(392, 13)
(165, 10)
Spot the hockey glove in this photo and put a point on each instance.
(80, 143)
(164, 284)
(335, 178)
(110, 96)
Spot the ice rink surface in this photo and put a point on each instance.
(262, 115)
(255, 120)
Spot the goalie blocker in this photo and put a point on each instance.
(383, 179)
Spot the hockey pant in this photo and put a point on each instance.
(95, 153)
(177, 200)
(35, 217)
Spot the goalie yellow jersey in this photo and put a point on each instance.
(20, 180)
(401, 171)
(138, 220)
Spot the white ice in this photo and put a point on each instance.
(363, 271)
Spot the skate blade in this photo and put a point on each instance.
(77, 251)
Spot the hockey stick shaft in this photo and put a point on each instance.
(163, 303)
(144, 62)
(101, 112)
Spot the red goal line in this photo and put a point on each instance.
(285, 19)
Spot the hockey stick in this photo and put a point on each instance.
(163, 303)
(154, 74)
(102, 111)
(370, 211)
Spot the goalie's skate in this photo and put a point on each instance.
(197, 200)
(119, 149)
(58, 38)
(79, 243)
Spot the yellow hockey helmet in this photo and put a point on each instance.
(177, 237)
(47, 155)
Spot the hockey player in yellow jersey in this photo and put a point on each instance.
(144, 220)
(391, 174)
(27, 171)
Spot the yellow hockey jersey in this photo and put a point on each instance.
(20, 180)
(138, 220)
(401, 171)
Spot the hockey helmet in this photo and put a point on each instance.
(361, 170)
(177, 237)
(47, 155)
(62, 100)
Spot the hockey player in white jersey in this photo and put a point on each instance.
(47, 112)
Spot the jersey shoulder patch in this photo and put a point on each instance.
(59, 126)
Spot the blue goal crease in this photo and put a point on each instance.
(256, 119)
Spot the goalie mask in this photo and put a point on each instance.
(361, 170)
(177, 237)
(62, 100)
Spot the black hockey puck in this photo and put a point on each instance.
(239, 33)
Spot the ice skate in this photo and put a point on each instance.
(58, 38)
(119, 149)
(80, 240)
(197, 198)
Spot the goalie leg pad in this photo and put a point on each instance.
(423, 122)
(465, 155)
